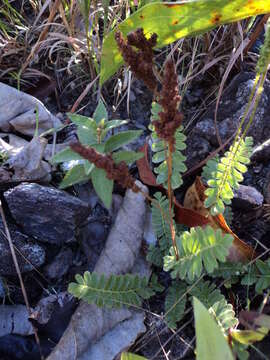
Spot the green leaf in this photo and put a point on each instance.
(121, 139)
(175, 303)
(65, 155)
(200, 249)
(114, 291)
(248, 337)
(127, 156)
(87, 135)
(172, 21)
(81, 120)
(102, 185)
(211, 343)
(226, 174)
(74, 176)
(100, 112)
(88, 167)
(129, 356)
(112, 124)
(258, 274)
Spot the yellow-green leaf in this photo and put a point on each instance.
(248, 337)
(129, 356)
(172, 21)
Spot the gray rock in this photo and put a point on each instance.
(261, 153)
(45, 213)
(230, 111)
(29, 254)
(93, 236)
(60, 265)
(247, 197)
(197, 150)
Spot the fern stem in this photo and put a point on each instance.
(170, 196)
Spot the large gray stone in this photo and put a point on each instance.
(45, 213)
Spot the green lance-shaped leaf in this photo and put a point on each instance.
(215, 303)
(65, 155)
(74, 176)
(210, 340)
(102, 185)
(200, 249)
(115, 291)
(127, 156)
(121, 139)
(100, 113)
(172, 21)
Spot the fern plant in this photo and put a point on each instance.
(93, 132)
(226, 174)
(200, 249)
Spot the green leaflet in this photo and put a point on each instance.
(226, 174)
(161, 223)
(258, 274)
(174, 21)
(211, 343)
(200, 249)
(102, 185)
(175, 303)
(114, 291)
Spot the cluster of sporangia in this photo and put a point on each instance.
(141, 62)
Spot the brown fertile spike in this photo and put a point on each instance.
(118, 172)
(141, 61)
(170, 117)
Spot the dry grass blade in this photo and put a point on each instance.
(42, 35)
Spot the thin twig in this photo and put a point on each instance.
(15, 261)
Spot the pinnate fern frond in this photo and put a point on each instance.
(154, 255)
(161, 221)
(216, 304)
(223, 314)
(200, 249)
(258, 274)
(175, 303)
(207, 293)
(114, 291)
(160, 148)
(226, 174)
